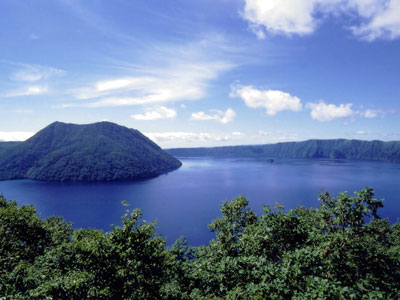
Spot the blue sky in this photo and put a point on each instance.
(203, 73)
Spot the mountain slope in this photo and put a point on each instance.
(95, 152)
(336, 148)
(5, 146)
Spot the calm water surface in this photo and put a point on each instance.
(185, 201)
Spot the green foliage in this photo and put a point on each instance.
(332, 149)
(95, 152)
(341, 250)
(229, 228)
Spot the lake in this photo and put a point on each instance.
(185, 201)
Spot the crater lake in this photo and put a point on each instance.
(185, 201)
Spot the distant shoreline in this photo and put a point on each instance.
(329, 149)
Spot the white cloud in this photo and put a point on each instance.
(33, 90)
(361, 132)
(276, 136)
(218, 115)
(280, 16)
(383, 19)
(107, 87)
(186, 81)
(33, 73)
(121, 83)
(166, 73)
(373, 113)
(369, 113)
(273, 101)
(15, 135)
(237, 133)
(204, 117)
(376, 18)
(327, 112)
(158, 113)
(206, 139)
(180, 136)
(32, 79)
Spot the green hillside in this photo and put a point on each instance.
(335, 149)
(95, 152)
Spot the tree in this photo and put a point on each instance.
(341, 250)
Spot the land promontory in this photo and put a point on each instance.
(101, 151)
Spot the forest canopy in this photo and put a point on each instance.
(340, 250)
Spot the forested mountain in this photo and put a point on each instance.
(95, 152)
(336, 149)
(4, 146)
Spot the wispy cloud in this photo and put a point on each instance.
(31, 79)
(157, 113)
(369, 113)
(33, 90)
(161, 74)
(182, 82)
(217, 115)
(115, 85)
(96, 21)
(376, 18)
(273, 101)
(33, 73)
(373, 113)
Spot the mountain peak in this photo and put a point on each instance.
(102, 151)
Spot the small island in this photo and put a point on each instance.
(96, 152)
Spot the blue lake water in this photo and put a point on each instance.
(185, 201)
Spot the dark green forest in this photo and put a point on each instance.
(340, 250)
(331, 149)
(101, 151)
